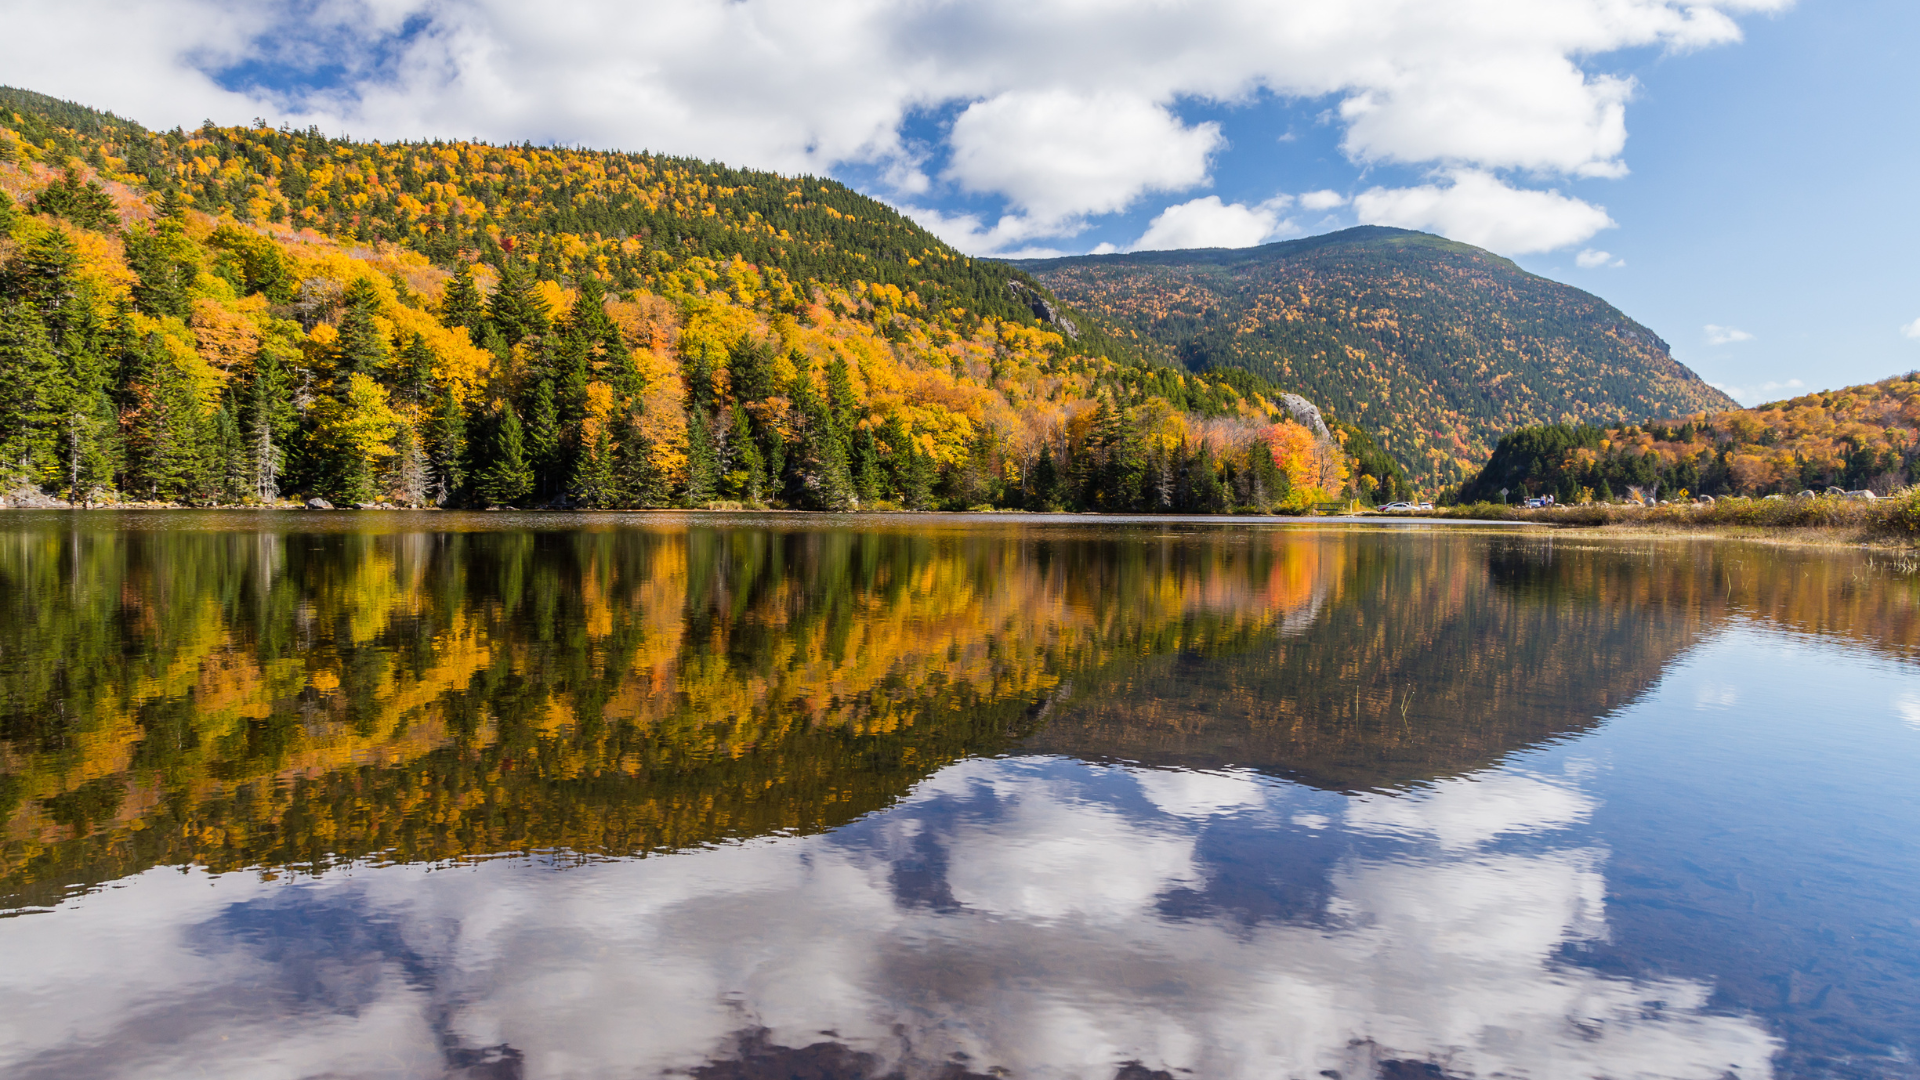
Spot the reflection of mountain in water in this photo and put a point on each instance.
(1027, 916)
(1435, 660)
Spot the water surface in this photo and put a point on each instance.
(519, 796)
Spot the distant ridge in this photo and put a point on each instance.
(1438, 346)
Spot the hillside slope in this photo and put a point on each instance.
(244, 314)
(1856, 437)
(1436, 346)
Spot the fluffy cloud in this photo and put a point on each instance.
(1479, 208)
(1911, 330)
(1210, 223)
(1591, 259)
(1059, 108)
(1725, 335)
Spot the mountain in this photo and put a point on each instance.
(1857, 437)
(241, 314)
(1435, 346)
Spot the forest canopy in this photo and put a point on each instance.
(241, 315)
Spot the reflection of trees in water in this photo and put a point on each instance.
(243, 698)
(1438, 658)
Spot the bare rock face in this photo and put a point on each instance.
(28, 497)
(1307, 414)
(318, 503)
(1044, 310)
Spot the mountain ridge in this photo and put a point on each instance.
(1436, 345)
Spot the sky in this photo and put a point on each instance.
(1735, 174)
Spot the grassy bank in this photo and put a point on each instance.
(1822, 518)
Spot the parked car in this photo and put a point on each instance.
(1397, 507)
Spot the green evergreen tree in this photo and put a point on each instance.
(361, 347)
(593, 481)
(31, 395)
(638, 481)
(447, 448)
(543, 441)
(460, 304)
(505, 478)
(701, 465)
(85, 204)
(162, 260)
(1045, 482)
(516, 308)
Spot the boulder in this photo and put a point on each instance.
(28, 497)
(1306, 414)
(318, 503)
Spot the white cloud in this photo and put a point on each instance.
(1057, 131)
(1758, 392)
(1210, 223)
(1592, 259)
(1476, 207)
(1911, 330)
(1322, 200)
(1725, 335)
(1060, 155)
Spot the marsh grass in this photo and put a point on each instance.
(1896, 518)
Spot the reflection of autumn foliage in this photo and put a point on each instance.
(254, 697)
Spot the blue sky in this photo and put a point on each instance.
(1735, 174)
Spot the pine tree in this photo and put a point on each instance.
(411, 480)
(162, 260)
(447, 448)
(543, 441)
(415, 377)
(460, 305)
(265, 417)
(516, 308)
(505, 478)
(361, 347)
(743, 472)
(638, 481)
(593, 474)
(701, 465)
(1045, 483)
(30, 396)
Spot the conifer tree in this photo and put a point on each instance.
(361, 347)
(30, 395)
(701, 465)
(265, 415)
(505, 478)
(593, 478)
(460, 304)
(1045, 482)
(543, 441)
(516, 308)
(638, 481)
(446, 437)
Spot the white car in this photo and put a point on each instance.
(1396, 507)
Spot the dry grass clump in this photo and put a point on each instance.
(1895, 517)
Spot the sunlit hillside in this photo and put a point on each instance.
(1857, 437)
(240, 315)
(1437, 347)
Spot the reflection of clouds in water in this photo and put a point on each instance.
(1051, 957)
(1716, 695)
(1908, 706)
(1463, 813)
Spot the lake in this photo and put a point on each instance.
(731, 796)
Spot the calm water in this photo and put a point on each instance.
(492, 796)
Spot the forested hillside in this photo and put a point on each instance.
(239, 315)
(1435, 346)
(1860, 437)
